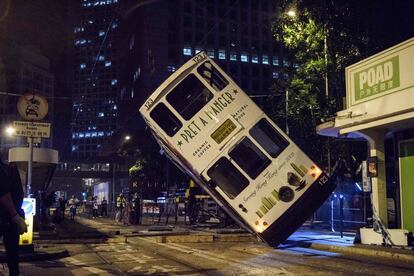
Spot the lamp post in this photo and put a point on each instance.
(292, 14)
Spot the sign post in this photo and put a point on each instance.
(31, 107)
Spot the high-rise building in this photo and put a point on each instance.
(95, 75)
(161, 35)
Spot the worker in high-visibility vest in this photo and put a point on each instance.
(120, 206)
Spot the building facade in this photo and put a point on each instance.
(162, 35)
(95, 75)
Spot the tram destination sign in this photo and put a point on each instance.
(31, 129)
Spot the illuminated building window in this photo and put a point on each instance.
(101, 58)
(101, 33)
(221, 54)
(265, 59)
(80, 41)
(108, 63)
(285, 62)
(233, 56)
(275, 75)
(244, 57)
(275, 61)
(114, 82)
(255, 59)
(198, 50)
(187, 51)
(82, 66)
(210, 53)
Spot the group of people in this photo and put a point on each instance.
(97, 207)
(72, 204)
(128, 211)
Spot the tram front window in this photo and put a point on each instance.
(249, 158)
(166, 119)
(226, 176)
(189, 97)
(268, 138)
(211, 75)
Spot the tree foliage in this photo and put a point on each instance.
(150, 168)
(321, 40)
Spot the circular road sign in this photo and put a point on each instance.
(32, 107)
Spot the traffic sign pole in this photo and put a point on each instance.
(29, 167)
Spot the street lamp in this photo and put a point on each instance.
(291, 13)
(9, 131)
(127, 138)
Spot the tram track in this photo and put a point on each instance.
(277, 262)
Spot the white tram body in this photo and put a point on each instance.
(211, 129)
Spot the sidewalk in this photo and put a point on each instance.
(329, 241)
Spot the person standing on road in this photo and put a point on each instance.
(136, 205)
(104, 207)
(62, 207)
(120, 205)
(95, 207)
(73, 202)
(12, 223)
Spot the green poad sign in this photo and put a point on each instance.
(377, 79)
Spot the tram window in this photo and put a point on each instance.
(268, 138)
(227, 177)
(189, 96)
(166, 119)
(211, 75)
(249, 158)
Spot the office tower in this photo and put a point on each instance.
(162, 35)
(95, 80)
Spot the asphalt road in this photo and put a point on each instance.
(146, 256)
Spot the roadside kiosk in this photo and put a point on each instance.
(380, 109)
